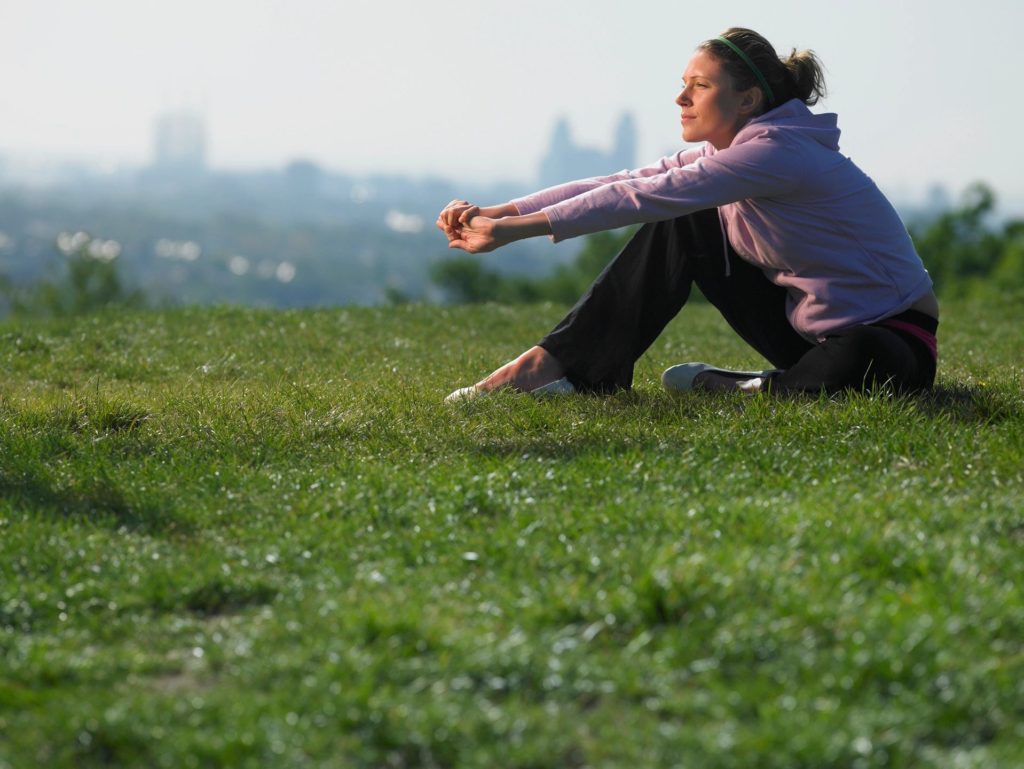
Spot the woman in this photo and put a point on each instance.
(795, 246)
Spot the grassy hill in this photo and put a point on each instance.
(258, 538)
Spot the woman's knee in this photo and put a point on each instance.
(858, 359)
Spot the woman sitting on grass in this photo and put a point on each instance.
(795, 246)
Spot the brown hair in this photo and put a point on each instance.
(799, 76)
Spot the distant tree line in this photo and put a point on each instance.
(296, 239)
(967, 252)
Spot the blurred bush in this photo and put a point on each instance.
(464, 279)
(90, 281)
(967, 253)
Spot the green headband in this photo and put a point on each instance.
(753, 68)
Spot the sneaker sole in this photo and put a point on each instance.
(680, 378)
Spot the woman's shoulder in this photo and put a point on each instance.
(792, 143)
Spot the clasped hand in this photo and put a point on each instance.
(467, 228)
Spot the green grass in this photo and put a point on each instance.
(255, 538)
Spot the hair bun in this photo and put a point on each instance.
(806, 74)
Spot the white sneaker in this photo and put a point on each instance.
(464, 394)
(559, 387)
(683, 378)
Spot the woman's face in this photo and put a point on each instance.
(711, 109)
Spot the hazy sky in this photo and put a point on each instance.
(926, 91)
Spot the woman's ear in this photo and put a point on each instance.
(752, 101)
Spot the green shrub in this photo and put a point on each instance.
(89, 283)
(966, 253)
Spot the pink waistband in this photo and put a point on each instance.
(916, 331)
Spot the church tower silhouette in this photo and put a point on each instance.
(565, 160)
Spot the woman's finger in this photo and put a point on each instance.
(452, 215)
(468, 213)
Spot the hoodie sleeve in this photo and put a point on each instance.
(762, 166)
(552, 195)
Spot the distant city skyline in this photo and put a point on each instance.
(925, 91)
(178, 142)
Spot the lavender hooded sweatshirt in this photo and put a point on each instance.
(789, 203)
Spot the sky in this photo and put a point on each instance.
(927, 91)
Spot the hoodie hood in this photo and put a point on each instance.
(794, 115)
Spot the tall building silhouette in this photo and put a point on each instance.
(624, 146)
(565, 160)
(179, 144)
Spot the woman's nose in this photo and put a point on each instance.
(682, 98)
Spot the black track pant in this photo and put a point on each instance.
(644, 287)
